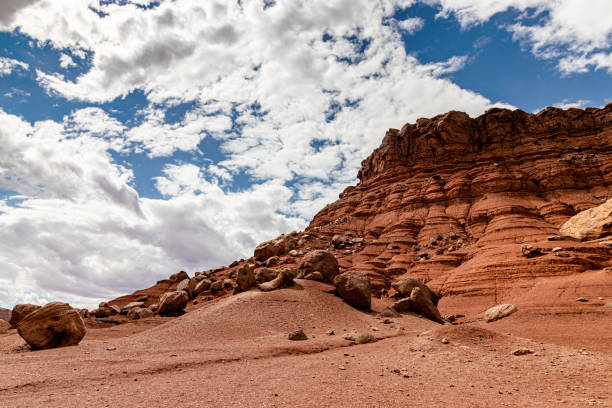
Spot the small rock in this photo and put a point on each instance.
(522, 351)
(609, 304)
(350, 336)
(341, 368)
(557, 249)
(499, 312)
(389, 312)
(330, 332)
(581, 299)
(445, 340)
(531, 251)
(297, 335)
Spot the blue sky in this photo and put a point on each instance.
(140, 137)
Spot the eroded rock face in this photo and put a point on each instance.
(590, 224)
(53, 325)
(5, 314)
(354, 288)
(4, 326)
(179, 276)
(172, 303)
(19, 312)
(321, 261)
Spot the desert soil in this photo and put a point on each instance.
(234, 352)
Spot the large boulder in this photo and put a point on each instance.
(53, 325)
(321, 261)
(245, 279)
(202, 286)
(354, 288)
(590, 224)
(499, 312)
(265, 274)
(278, 246)
(19, 312)
(188, 285)
(140, 313)
(173, 303)
(179, 276)
(423, 304)
(132, 305)
(405, 286)
(284, 279)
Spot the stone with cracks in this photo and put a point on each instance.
(354, 288)
(125, 309)
(265, 274)
(405, 287)
(297, 335)
(422, 304)
(245, 279)
(19, 312)
(139, 313)
(172, 303)
(321, 261)
(279, 246)
(179, 276)
(53, 325)
(203, 285)
(403, 305)
(590, 224)
(283, 279)
(499, 312)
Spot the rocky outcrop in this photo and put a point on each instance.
(245, 279)
(405, 286)
(19, 312)
(284, 279)
(354, 288)
(279, 246)
(4, 326)
(53, 325)
(172, 303)
(590, 224)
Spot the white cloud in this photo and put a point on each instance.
(66, 61)
(576, 33)
(411, 25)
(8, 65)
(296, 95)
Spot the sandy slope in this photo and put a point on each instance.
(234, 352)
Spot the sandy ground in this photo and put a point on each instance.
(234, 352)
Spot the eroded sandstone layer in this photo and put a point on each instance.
(452, 199)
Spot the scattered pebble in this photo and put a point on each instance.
(522, 351)
(445, 340)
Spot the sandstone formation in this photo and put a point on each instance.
(405, 286)
(283, 279)
(19, 312)
(245, 279)
(590, 224)
(4, 326)
(275, 247)
(354, 288)
(53, 325)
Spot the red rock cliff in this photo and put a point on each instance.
(451, 199)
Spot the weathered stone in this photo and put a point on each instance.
(321, 261)
(53, 325)
(389, 312)
(216, 286)
(522, 351)
(4, 326)
(590, 224)
(228, 283)
(203, 285)
(139, 313)
(531, 251)
(265, 274)
(499, 312)
(422, 304)
(172, 303)
(283, 279)
(403, 305)
(354, 288)
(297, 335)
(179, 276)
(19, 312)
(405, 287)
(245, 279)
(279, 246)
(315, 276)
(125, 309)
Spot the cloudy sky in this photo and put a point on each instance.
(139, 138)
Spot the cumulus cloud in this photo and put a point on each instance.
(577, 34)
(296, 94)
(8, 65)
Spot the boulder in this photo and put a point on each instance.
(297, 335)
(283, 279)
(179, 276)
(245, 279)
(184, 285)
(53, 325)
(321, 261)
(172, 303)
(531, 251)
(590, 224)
(125, 309)
(389, 312)
(278, 246)
(19, 312)
(228, 283)
(216, 286)
(405, 286)
(102, 312)
(115, 310)
(139, 313)
(499, 312)
(354, 288)
(265, 274)
(203, 285)
(403, 305)
(423, 304)
(315, 276)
